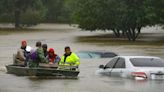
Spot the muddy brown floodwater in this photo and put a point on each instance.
(58, 36)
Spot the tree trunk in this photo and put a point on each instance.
(17, 18)
(116, 33)
(138, 32)
(128, 35)
(123, 33)
(135, 33)
(131, 35)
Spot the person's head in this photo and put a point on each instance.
(51, 52)
(38, 44)
(23, 44)
(44, 46)
(67, 50)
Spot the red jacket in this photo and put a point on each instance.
(53, 57)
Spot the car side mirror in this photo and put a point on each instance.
(101, 66)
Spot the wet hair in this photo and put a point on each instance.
(67, 47)
(44, 46)
(38, 44)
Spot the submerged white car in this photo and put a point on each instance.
(136, 67)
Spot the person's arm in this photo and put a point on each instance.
(20, 55)
(57, 59)
(61, 61)
(76, 59)
(41, 56)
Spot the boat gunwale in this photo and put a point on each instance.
(39, 68)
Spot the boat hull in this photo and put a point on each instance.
(40, 72)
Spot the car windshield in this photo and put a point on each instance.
(88, 55)
(147, 62)
(95, 54)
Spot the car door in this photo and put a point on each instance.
(119, 68)
(108, 67)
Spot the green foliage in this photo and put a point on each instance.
(6, 18)
(29, 12)
(57, 11)
(126, 16)
(31, 17)
(22, 12)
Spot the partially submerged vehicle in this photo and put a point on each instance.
(44, 70)
(135, 67)
(95, 54)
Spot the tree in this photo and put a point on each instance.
(17, 10)
(126, 16)
(31, 12)
(57, 11)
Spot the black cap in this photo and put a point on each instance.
(38, 44)
(44, 46)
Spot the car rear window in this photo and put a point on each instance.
(108, 55)
(147, 62)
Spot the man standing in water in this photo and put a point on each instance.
(38, 56)
(69, 58)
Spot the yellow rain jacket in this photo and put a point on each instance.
(71, 60)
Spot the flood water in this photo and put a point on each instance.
(59, 36)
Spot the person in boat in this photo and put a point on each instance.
(28, 49)
(52, 57)
(44, 46)
(69, 58)
(22, 54)
(37, 56)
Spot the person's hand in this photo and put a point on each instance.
(50, 63)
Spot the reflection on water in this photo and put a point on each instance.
(88, 81)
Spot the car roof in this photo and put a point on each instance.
(97, 51)
(128, 57)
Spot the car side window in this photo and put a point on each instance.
(111, 63)
(120, 63)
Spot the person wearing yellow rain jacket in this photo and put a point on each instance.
(69, 58)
